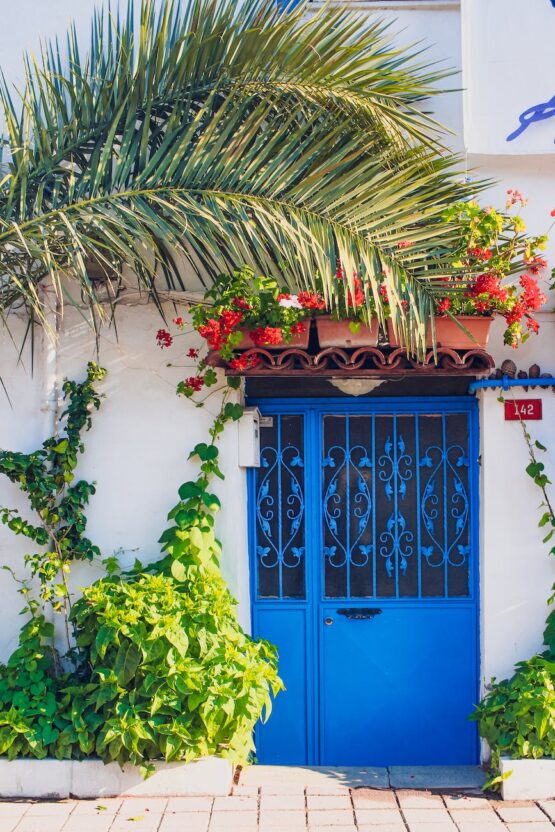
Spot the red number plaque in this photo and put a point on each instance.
(523, 409)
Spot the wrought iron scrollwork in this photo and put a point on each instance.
(339, 503)
(396, 540)
(287, 499)
(443, 464)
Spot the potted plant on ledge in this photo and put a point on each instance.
(246, 311)
(493, 247)
(357, 325)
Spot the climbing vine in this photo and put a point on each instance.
(160, 667)
(47, 478)
(517, 715)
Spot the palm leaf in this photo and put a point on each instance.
(228, 133)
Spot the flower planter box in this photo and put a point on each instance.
(529, 779)
(60, 779)
(332, 333)
(449, 334)
(300, 340)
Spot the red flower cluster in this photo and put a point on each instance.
(298, 328)
(241, 303)
(480, 253)
(532, 298)
(310, 300)
(488, 292)
(359, 296)
(194, 383)
(383, 293)
(192, 353)
(212, 334)
(443, 306)
(244, 362)
(536, 263)
(163, 338)
(179, 321)
(405, 244)
(216, 332)
(266, 335)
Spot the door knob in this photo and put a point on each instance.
(328, 621)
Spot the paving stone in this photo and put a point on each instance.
(330, 817)
(293, 827)
(52, 810)
(189, 804)
(184, 822)
(140, 823)
(436, 777)
(13, 808)
(245, 791)
(442, 826)
(235, 804)
(548, 807)
(40, 824)
(350, 828)
(365, 816)
(9, 823)
(429, 816)
(325, 788)
(329, 801)
(282, 802)
(99, 806)
(227, 821)
(89, 823)
(133, 806)
(418, 800)
(282, 788)
(464, 801)
(382, 827)
(520, 814)
(530, 827)
(283, 819)
(485, 818)
(374, 799)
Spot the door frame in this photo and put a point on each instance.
(312, 408)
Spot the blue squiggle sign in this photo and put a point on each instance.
(538, 112)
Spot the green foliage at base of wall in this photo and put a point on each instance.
(517, 715)
(160, 667)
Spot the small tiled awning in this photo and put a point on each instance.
(364, 362)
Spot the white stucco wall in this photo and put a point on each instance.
(137, 448)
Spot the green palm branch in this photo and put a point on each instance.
(226, 133)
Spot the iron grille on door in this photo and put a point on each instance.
(394, 507)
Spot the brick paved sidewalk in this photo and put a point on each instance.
(283, 808)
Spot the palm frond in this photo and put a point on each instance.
(228, 133)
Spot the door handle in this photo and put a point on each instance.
(360, 613)
(328, 621)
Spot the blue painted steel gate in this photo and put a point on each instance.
(364, 573)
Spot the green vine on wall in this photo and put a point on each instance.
(47, 478)
(161, 668)
(517, 715)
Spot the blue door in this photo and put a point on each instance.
(364, 567)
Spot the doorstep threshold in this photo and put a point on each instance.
(464, 777)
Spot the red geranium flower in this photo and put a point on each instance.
(163, 338)
(266, 335)
(192, 353)
(444, 305)
(311, 300)
(244, 362)
(179, 321)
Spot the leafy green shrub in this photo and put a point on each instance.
(517, 716)
(29, 694)
(161, 666)
(172, 675)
